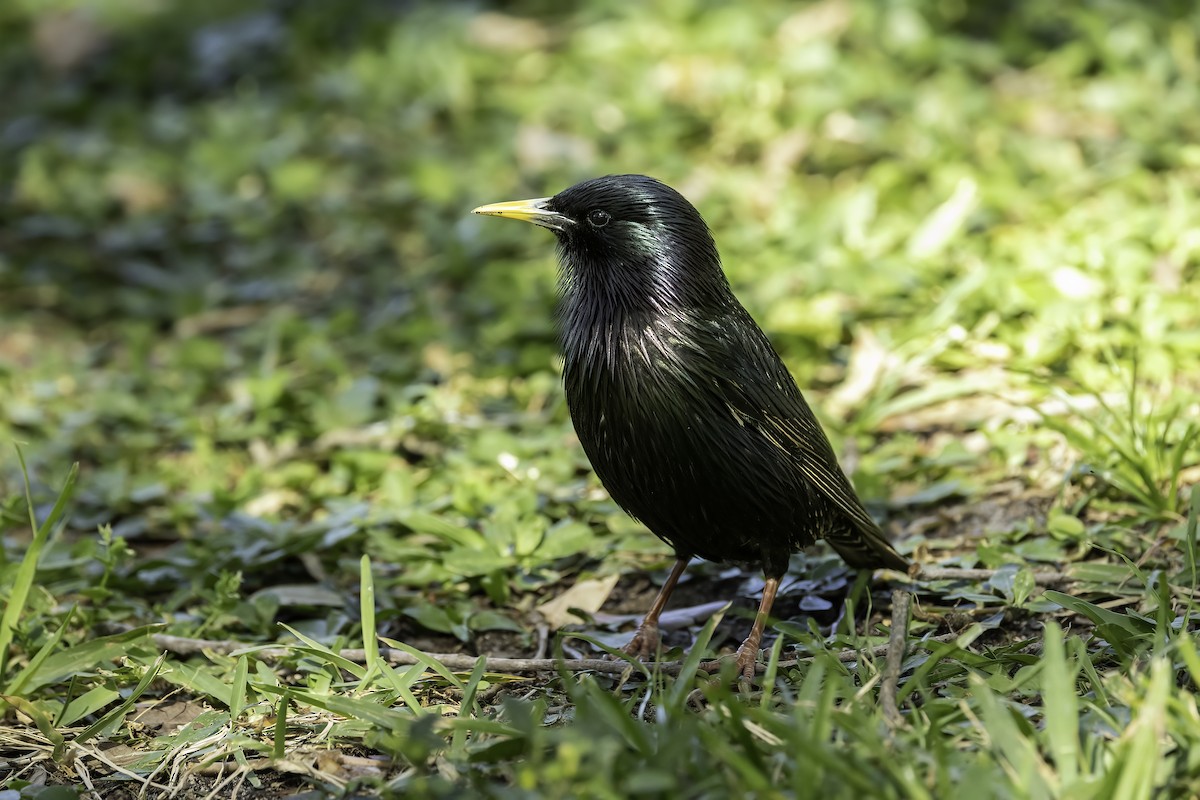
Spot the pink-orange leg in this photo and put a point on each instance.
(747, 654)
(644, 643)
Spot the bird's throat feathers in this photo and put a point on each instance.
(651, 281)
(633, 347)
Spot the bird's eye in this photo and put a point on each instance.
(598, 218)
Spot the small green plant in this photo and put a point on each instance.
(1138, 449)
(24, 573)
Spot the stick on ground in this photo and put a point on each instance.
(890, 683)
(465, 663)
(1044, 578)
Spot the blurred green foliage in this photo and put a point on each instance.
(256, 215)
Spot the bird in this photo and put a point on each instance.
(687, 413)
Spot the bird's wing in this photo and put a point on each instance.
(863, 544)
(755, 384)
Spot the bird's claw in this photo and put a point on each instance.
(746, 661)
(644, 644)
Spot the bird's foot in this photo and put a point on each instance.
(746, 661)
(644, 644)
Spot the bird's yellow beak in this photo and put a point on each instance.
(536, 211)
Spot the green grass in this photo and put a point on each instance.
(264, 382)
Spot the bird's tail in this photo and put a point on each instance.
(866, 548)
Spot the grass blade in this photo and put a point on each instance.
(1060, 706)
(237, 690)
(19, 595)
(120, 711)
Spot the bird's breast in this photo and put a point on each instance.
(637, 370)
(645, 407)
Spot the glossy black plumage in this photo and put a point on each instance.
(688, 415)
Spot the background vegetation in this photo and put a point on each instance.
(240, 289)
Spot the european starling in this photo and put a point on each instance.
(686, 412)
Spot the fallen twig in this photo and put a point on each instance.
(950, 574)
(890, 683)
(495, 664)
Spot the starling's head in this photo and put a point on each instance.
(629, 239)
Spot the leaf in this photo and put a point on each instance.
(436, 618)
(89, 655)
(425, 659)
(493, 621)
(1059, 695)
(1137, 626)
(1125, 632)
(200, 680)
(1003, 579)
(148, 675)
(1065, 526)
(86, 704)
(1104, 573)
(586, 595)
(237, 688)
(940, 227)
(309, 594)
(366, 709)
(471, 562)
(567, 538)
(318, 651)
(422, 522)
(18, 595)
(40, 719)
(1023, 585)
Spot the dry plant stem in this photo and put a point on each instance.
(458, 661)
(950, 574)
(890, 683)
(464, 663)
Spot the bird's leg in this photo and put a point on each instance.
(747, 654)
(645, 641)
